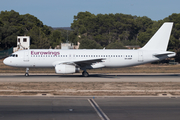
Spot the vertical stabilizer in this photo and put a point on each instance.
(160, 39)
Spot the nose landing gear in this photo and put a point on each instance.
(27, 72)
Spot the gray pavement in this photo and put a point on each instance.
(31, 108)
(112, 77)
(141, 108)
(79, 108)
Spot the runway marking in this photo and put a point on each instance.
(99, 111)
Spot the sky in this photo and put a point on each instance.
(60, 13)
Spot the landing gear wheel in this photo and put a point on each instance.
(85, 74)
(26, 74)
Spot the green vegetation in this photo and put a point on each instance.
(112, 31)
(12, 25)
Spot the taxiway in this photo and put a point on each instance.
(80, 108)
(111, 77)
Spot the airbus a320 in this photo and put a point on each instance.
(72, 61)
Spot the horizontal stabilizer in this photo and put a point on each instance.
(169, 54)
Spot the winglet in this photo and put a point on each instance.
(160, 39)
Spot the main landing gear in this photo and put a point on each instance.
(85, 73)
(27, 72)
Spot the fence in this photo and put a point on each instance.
(6, 53)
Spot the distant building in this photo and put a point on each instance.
(69, 46)
(133, 47)
(77, 46)
(23, 43)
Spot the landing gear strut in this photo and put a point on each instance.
(85, 73)
(27, 72)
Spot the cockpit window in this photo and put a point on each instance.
(14, 55)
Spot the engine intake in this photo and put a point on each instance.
(65, 69)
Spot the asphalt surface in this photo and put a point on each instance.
(112, 77)
(79, 108)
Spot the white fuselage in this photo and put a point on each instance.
(52, 57)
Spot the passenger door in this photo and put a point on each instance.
(26, 56)
(140, 56)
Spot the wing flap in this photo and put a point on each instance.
(81, 63)
(88, 62)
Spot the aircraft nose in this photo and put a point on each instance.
(5, 61)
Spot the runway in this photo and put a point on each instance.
(111, 77)
(88, 108)
(79, 108)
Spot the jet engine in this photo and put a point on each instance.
(65, 69)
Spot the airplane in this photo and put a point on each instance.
(72, 61)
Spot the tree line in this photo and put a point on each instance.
(12, 24)
(112, 31)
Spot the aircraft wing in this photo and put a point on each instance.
(88, 62)
(82, 63)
